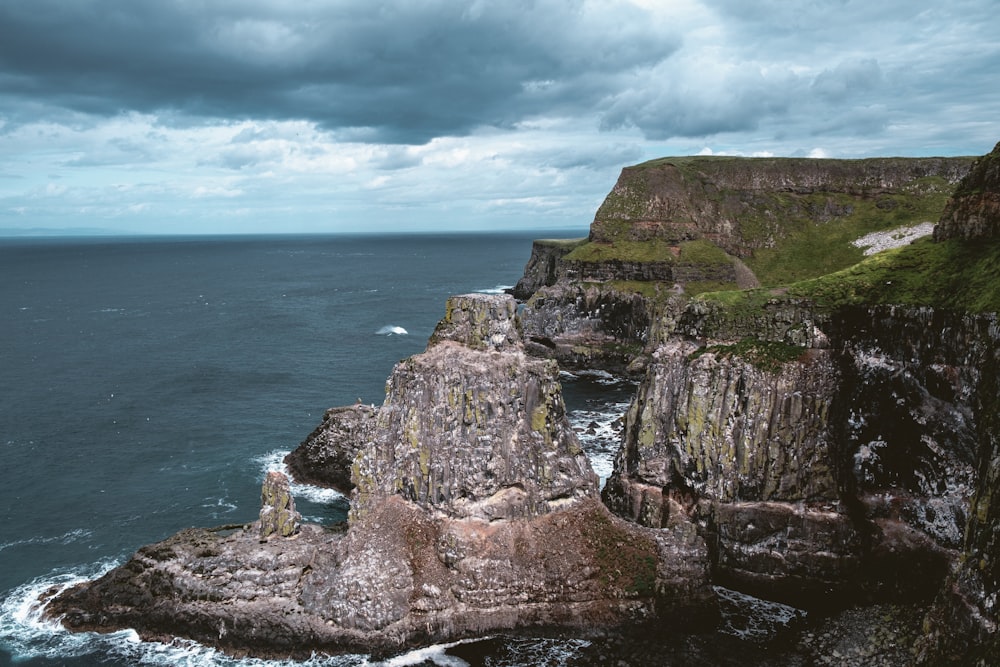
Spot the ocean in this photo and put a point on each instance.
(148, 384)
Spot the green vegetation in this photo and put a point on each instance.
(561, 243)
(703, 252)
(765, 355)
(626, 563)
(810, 248)
(655, 250)
(700, 251)
(955, 274)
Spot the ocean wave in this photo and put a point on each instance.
(28, 635)
(275, 462)
(597, 376)
(392, 329)
(499, 289)
(436, 655)
(753, 618)
(66, 538)
(599, 432)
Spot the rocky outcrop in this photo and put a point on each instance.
(474, 510)
(278, 517)
(821, 460)
(973, 212)
(681, 225)
(588, 326)
(324, 458)
(544, 266)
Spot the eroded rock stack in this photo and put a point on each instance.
(474, 510)
(278, 516)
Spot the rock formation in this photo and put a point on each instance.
(325, 457)
(830, 441)
(277, 508)
(833, 441)
(474, 510)
(973, 212)
(687, 225)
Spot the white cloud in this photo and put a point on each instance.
(478, 115)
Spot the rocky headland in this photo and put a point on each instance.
(813, 425)
(473, 510)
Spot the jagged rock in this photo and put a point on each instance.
(678, 223)
(480, 322)
(474, 510)
(587, 326)
(325, 457)
(543, 267)
(277, 511)
(861, 448)
(973, 212)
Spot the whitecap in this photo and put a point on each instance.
(392, 329)
(753, 618)
(499, 289)
(600, 433)
(66, 538)
(275, 462)
(436, 655)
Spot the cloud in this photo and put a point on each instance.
(407, 72)
(238, 115)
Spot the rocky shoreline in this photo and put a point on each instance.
(838, 453)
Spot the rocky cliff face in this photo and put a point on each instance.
(474, 510)
(742, 204)
(973, 212)
(813, 469)
(686, 225)
(829, 452)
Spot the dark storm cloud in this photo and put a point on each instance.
(399, 72)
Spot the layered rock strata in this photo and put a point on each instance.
(474, 510)
(682, 225)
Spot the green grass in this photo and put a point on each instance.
(811, 249)
(704, 252)
(655, 250)
(700, 251)
(561, 243)
(765, 355)
(956, 275)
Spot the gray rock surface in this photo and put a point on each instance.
(278, 517)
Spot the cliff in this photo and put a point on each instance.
(834, 440)
(473, 510)
(698, 224)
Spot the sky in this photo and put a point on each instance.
(315, 116)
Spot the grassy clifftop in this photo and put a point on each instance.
(959, 269)
(787, 218)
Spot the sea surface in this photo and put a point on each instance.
(148, 384)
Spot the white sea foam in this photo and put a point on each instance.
(66, 538)
(600, 432)
(753, 618)
(275, 462)
(433, 654)
(27, 635)
(499, 289)
(392, 330)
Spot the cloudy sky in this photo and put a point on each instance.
(253, 116)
